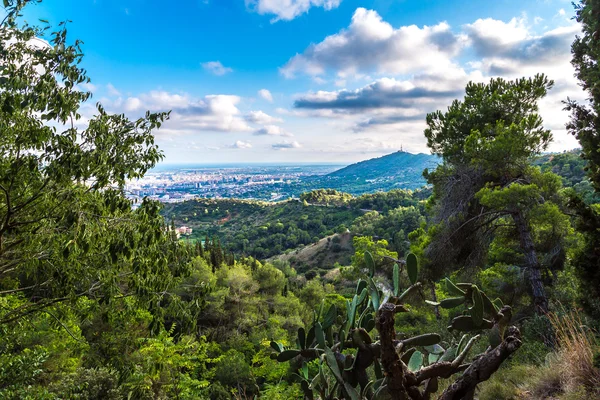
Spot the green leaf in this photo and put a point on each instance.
(287, 355)
(498, 304)
(374, 295)
(330, 317)
(452, 302)
(416, 361)
(333, 365)
(477, 309)
(452, 289)
(310, 337)
(362, 297)
(412, 267)
(449, 355)
(302, 337)
(360, 286)
(276, 346)
(432, 358)
(396, 279)
(435, 349)
(320, 335)
(304, 370)
(370, 262)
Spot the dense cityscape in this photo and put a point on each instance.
(172, 184)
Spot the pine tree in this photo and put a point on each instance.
(585, 125)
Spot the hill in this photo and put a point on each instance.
(399, 170)
(320, 256)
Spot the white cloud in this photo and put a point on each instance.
(261, 118)
(272, 130)
(188, 115)
(286, 145)
(287, 10)
(132, 104)
(216, 68)
(239, 144)
(265, 94)
(371, 44)
(423, 69)
(112, 91)
(89, 87)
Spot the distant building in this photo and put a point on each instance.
(183, 230)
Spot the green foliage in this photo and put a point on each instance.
(585, 125)
(349, 356)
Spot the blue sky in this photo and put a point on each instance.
(310, 80)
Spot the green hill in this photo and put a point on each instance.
(399, 170)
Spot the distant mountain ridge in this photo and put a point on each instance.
(398, 170)
(391, 165)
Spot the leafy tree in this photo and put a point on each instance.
(66, 229)
(585, 125)
(486, 142)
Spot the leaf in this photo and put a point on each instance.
(407, 355)
(412, 267)
(360, 286)
(310, 337)
(374, 295)
(362, 297)
(396, 279)
(452, 289)
(416, 361)
(477, 309)
(432, 358)
(276, 346)
(319, 335)
(333, 365)
(302, 338)
(449, 355)
(304, 370)
(287, 355)
(330, 317)
(377, 370)
(498, 304)
(452, 302)
(435, 349)
(432, 303)
(488, 306)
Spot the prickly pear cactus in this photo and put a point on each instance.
(359, 355)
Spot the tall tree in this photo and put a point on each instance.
(585, 125)
(66, 228)
(486, 142)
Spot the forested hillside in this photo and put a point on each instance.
(485, 284)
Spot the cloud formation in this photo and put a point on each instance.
(418, 70)
(216, 68)
(210, 113)
(239, 144)
(271, 130)
(286, 145)
(370, 44)
(383, 93)
(287, 10)
(261, 118)
(265, 94)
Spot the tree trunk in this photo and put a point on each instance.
(532, 264)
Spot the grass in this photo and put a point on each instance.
(568, 373)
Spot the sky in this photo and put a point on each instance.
(261, 81)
